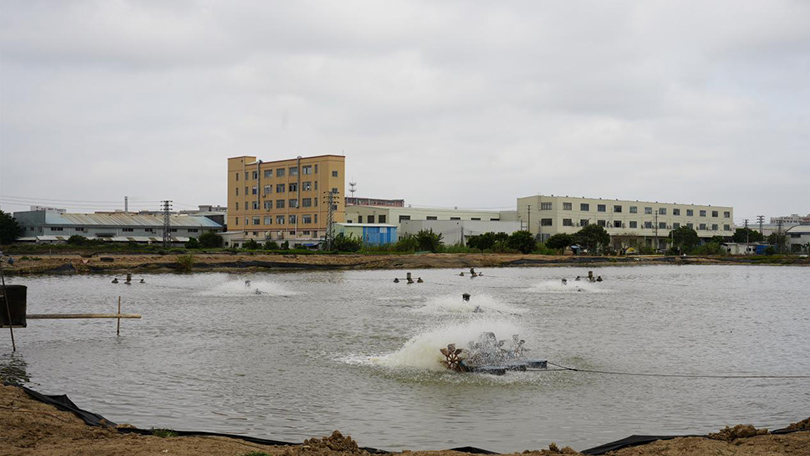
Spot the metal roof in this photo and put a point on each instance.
(800, 229)
(368, 225)
(127, 220)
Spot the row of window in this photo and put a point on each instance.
(280, 188)
(633, 224)
(618, 208)
(280, 204)
(123, 230)
(306, 219)
(281, 172)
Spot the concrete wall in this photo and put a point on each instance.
(457, 231)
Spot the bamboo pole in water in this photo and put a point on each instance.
(118, 325)
(66, 316)
(8, 309)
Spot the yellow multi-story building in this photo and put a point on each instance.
(284, 199)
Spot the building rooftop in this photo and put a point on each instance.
(54, 218)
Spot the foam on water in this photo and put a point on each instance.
(479, 303)
(422, 351)
(238, 288)
(556, 286)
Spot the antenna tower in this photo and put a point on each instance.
(352, 187)
(167, 238)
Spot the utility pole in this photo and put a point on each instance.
(779, 236)
(656, 230)
(330, 218)
(761, 220)
(529, 219)
(746, 235)
(126, 204)
(167, 238)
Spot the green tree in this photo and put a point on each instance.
(559, 241)
(210, 240)
(9, 229)
(684, 239)
(427, 240)
(77, 239)
(592, 237)
(406, 243)
(753, 236)
(271, 245)
(343, 243)
(250, 245)
(486, 241)
(522, 241)
(193, 243)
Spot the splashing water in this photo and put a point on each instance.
(239, 288)
(422, 350)
(479, 303)
(556, 286)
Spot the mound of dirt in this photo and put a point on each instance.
(803, 425)
(737, 432)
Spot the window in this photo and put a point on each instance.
(255, 191)
(662, 225)
(306, 169)
(676, 212)
(306, 219)
(691, 226)
(237, 191)
(648, 210)
(293, 203)
(568, 222)
(475, 218)
(714, 227)
(315, 202)
(255, 175)
(494, 220)
(714, 213)
(279, 204)
(292, 187)
(237, 177)
(370, 219)
(236, 221)
(359, 219)
(455, 218)
(257, 221)
(237, 205)
(662, 211)
(702, 226)
(634, 209)
(306, 233)
(702, 213)
(268, 189)
(306, 186)
(268, 220)
(617, 224)
(675, 226)
(316, 185)
(726, 214)
(174, 230)
(584, 207)
(279, 220)
(268, 205)
(601, 223)
(404, 217)
(334, 174)
(246, 190)
(79, 229)
(280, 188)
(545, 222)
(280, 172)
(617, 208)
(255, 205)
(432, 217)
(545, 206)
(246, 175)
(690, 213)
(316, 171)
(583, 222)
(634, 224)
(293, 171)
(151, 230)
(306, 202)
(334, 190)
(601, 208)
(293, 219)
(125, 230)
(268, 173)
(648, 225)
(567, 206)
(726, 227)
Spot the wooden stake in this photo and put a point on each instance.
(8, 309)
(118, 325)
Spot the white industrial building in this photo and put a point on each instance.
(798, 239)
(457, 231)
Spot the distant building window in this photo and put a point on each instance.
(293, 171)
(702, 213)
(292, 187)
(714, 213)
(152, 230)
(255, 191)
(431, 217)
(279, 204)
(306, 186)
(306, 202)
(583, 222)
(293, 219)
(237, 205)
(633, 224)
(246, 175)
(236, 221)
(662, 225)
(173, 230)
(545, 206)
(279, 220)
(567, 206)
(193, 230)
(334, 174)
(648, 210)
(568, 222)
(306, 220)
(280, 188)
(268, 189)
(676, 212)
(600, 208)
(316, 170)
(714, 227)
(237, 191)
(255, 205)
(601, 223)
(359, 219)
(726, 214)
(617, 224)
(475, 218)
(307, 169)
(585, 207)
(370, 219)
(648, 225)
(255, 175)
(691, 226)
(675, 226)
(280, 172)
(334, 190)
(78, 228)
(268, 173)
(494, 220)
(634, 209)
(293, 203)
(690, 213)
(702, 226)
(662, 211)
(57, 228)
(268, 220)
(380, 219)
(125, 230)
(617, 208)
(316, 184)
(402, 218)
(256, 220)
(545, 222)
(726, 227)
(237, 177)
(455, 218)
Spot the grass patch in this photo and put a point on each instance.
(163, 433)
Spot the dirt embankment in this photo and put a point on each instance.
(28, 427)
(257, 261)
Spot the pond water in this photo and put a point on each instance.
(353, 351)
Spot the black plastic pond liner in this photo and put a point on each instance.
(633, 440)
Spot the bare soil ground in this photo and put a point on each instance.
(28, 427)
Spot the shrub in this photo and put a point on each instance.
(711, 248)
(770, 250)
(343, 243)
(77, 240)
(559, 241)
(193, 243)
(250, 245)
(406, 243)
(486, 241)
(427, 240)
(185, 263)
(210, 240)
(522, 241)
(271, 245)
(285, 245)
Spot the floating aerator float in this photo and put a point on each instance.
(486, 355)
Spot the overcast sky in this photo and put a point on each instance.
(442, 103)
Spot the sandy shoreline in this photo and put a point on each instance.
(258, 261)
(29, 427)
